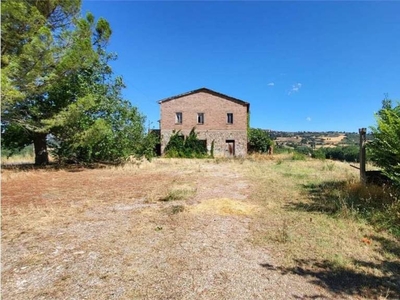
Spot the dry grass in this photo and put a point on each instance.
(333, 139)
(224, 206)
(231, 229)
(312, 241)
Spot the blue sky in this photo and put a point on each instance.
(303, 66)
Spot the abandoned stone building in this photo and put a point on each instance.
(215, 116)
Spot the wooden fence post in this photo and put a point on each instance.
(363, 141)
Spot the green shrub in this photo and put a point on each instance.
(345, 153)
(191, 147)
(319, 154)
(26, 151)
(259, 140)
(282, 149)
(298, 156)
(303, 150)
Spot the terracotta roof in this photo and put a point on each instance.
(205, 90)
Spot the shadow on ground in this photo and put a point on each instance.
(55, 167)
(366, 279)
(345, 282)
(323, 197)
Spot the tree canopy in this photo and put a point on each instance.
(384, 150)
(57, 85)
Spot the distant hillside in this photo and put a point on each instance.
(316, 139)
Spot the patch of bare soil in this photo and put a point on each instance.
(104, 234)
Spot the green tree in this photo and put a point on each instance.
(384, 149)
(100, 125)
(42, 42)
(259, 140)
(56, 82)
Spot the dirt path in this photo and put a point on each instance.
(108, 237)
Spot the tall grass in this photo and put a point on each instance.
(377, 205)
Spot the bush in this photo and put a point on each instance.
(259, 140)
(319, 154)
(191, 147)
(298, 156)
(303, 150)
(348, 153)
(282, 150)
(26, 151)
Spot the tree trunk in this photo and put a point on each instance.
(40, 144)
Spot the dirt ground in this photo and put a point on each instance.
(165, 230)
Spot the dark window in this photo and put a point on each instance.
(229, 118)
(200, 118)
(178, 118)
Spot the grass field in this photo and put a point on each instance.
(257, 228)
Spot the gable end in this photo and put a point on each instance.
(205, 90)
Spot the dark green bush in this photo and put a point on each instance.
(191, 147)
(303, 150)
(348, 153)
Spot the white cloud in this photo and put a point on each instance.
(295, 88)
(271, 84)
(308, 119)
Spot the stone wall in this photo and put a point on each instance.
(218, 136)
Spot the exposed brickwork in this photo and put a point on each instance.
(215, 127)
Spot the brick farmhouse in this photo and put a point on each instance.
(215, 116)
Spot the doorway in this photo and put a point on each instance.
(229, 148)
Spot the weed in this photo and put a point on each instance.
(328, 167)
(152, 197)
(178, 194)
(175, 209)
(338, 262)
(283, 234)
(298, 156)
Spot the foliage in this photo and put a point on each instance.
(191, 147)
(384, 150)
(345, 153)
(298, 156)
(24, 152)
(303, 150)
(14, 138)
(280, 149)
(100, 126)
(259, 140)
(57, 85)
(319, 154)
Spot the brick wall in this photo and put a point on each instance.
(215, 125)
